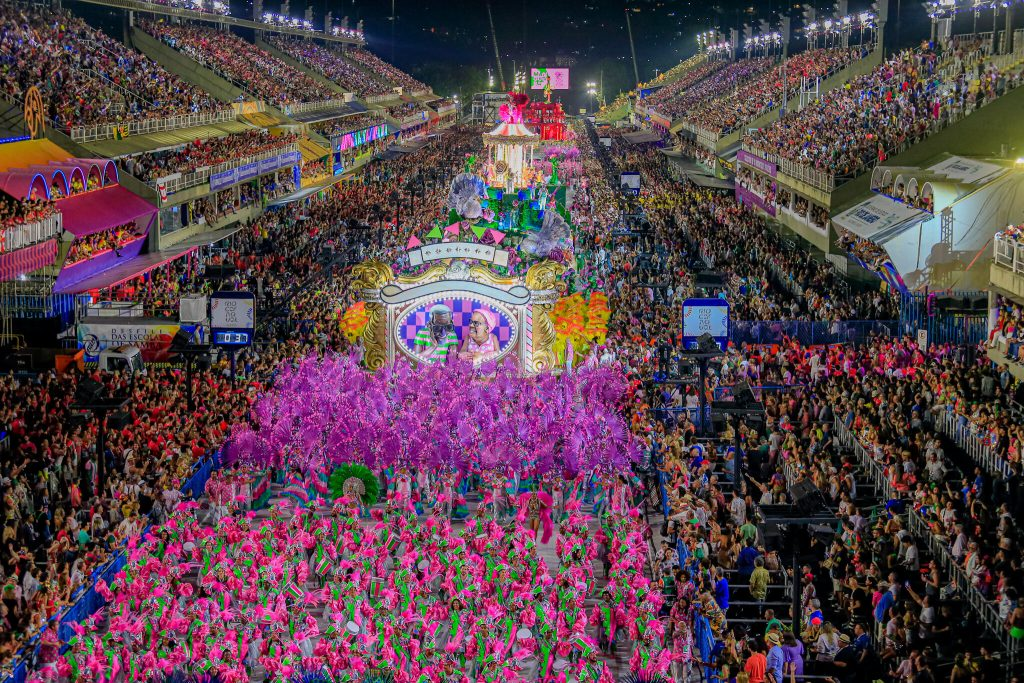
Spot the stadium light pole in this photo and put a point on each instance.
(591, 90)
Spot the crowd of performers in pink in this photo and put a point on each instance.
(423, 586)
(429, 600)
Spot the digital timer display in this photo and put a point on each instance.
(231, 338)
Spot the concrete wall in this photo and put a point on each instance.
(1006, 280)
(179, 236)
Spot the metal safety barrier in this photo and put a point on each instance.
(34, 232)
(1008, 253)
(983, 608)
(977, 444)
(179, 182)
(106, 131)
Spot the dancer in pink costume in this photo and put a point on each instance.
(426, 600)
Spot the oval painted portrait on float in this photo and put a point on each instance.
(442, 329)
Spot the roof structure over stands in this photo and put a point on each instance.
(98, 210)
(981, 196)
(143, 264)
(641, 137)
(134, 144)
(30, 153)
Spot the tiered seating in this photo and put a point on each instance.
(152, 165)
(331, 64)
(85, 76)
(730, 110)
(255, 70)
(382, 70)
(346, 124)
(853, 128)
(715, 86)
(84, 248)
(672, 90)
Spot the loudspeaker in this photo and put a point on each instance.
(181, 340)
(807, 498)
(118, 420)
(743, 394)
(89, 390)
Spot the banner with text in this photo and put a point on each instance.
(240, 174)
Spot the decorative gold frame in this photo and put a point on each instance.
(535, 338)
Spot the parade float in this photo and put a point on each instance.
(482, 284)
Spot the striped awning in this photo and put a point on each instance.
(22, 261)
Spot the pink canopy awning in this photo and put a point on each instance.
(98, 210)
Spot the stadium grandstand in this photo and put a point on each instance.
(304, 380)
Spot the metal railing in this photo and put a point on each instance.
(976, 443)
(27, 234)
(303, 107)
(840, 262)
(177, 183)
(106, 131)
(982, 607)
(978, 604)
(86, 600)
(374, 99)
(1008, 253)
(826, 182)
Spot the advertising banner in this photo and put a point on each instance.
(153, 338)
(224, 179)
(756, 163)
(751, 198)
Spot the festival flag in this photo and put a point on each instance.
(413, 242)
(453, 229)
(497, 236)
(478, 230)
(435, 233)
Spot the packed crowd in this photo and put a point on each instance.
(15, 212)
(254, 70)
(726, 107)
(382, 70)
(111, 239)
(334, 127)
(888, 393)
(90, 78)
(912, 94)
(61, 521)
(768, 280)
(205, 153)
(714, 87)
(331, 64)
(891, 395)
(674, 89)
